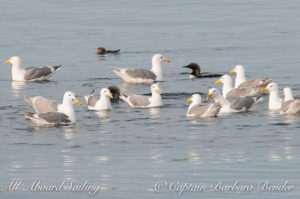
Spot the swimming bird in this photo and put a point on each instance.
(229, 92)
(197, 109)
(196, 73)
(289, 104)
(140, 101)
(99, 103)
(274, 99)
(32, 73)
(240, 80)
(43, 105)
(131, 75)
(66, 115)
(103, 51)
(231, 105)
(115, 91)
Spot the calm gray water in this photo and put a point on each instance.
(127, 151)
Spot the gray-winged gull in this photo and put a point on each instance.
(240, 80)
(99, 103)
(32, 73)
(289, 104)
(274, 99)
(229, 92)
(43, 105)
(231, 105)
(65, 116)
(141, 101)
(197, 109)
(131, 75)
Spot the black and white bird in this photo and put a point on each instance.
(103, 51)
(32, 73)
(196, 73)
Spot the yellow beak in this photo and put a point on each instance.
(110, 96)
(263, 90)
(7, 62)
(208, 96)
(167, 60)
(218, 81)
(232, 71)
(78, 102)
(189, 100)
(158, 90)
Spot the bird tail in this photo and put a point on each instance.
(29, 115)
(28, 100)
(116, 69)
(57, 67)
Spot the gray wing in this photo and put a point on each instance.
(139, 100)
(35, 73)
(92, 100)
(141, 73)
(54, 117)
(243, 92)
(285, 105)
(255, 83)
(44, 105)
(241, 103)
(199, 109)
(297, 97)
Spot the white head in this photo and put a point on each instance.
(70, 98)
(15, 61)
(105, 92)
(195, 99)
(238, 69)
(287, 94)
(272, 87)
(158, 58)
(213, 92)
(225, 79)
(155, 89)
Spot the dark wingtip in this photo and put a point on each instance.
(29, 114)
(57, 67)
(93, 92)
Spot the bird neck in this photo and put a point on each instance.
(157, 70)
(288, 96)
(219, 99)
(156, 98)
(68, 109)
(193, 104)
(196, 71)
(240, 78)
(17, 72)
(227, 86)
(104, 102)
(274, 100)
